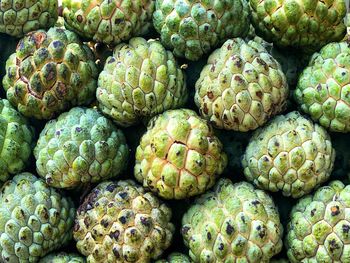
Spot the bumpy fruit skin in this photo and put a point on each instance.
(192, 28)
(120, 222)
(290, 154)
(49, 73)
(108, 21)
(19, 17)
(323, 89)
(179, 156)
(35, 219)
(63, 257)
(319, 227)
(175, 258)
(140, 80)
(307, 25)
(16, 141)
(79, 147)
(233, 223)
(241, 87)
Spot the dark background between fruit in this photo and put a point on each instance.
(235, 144)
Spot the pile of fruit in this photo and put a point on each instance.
(174, 131)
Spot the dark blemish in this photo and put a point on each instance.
(335, 210)
(208, 236)
(122, 219)
(111, 187)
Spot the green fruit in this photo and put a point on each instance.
(323, 89)
(179, 156)
(192, 28)
(290, 154)
(108, 21)
(308, 25)
(233, 223)
(19, 17)
(16, 141)
(79, 147)
(241, 87)
(140, 80)
(62, 257)
(120, 222)
(49, 73)
(319, 227)
(35, 219)
(175, 257)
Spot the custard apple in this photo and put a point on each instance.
(79, 147)
(35, 219)
(49, 73)
(121, 222)
(290, 154)
(179, 156)
(319, 227)
(19, 17)
(307, 25)
(63, 258)
(16, 141)
(233, 223)
(140, 80)
(175, 257)
(192, 28)
(323, 89)
(108, 21)
(241, 87)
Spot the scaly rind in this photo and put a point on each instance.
(192, 28)
(319, 227)
(241, 87)
(49, 73)
(79, 147)
(233, 223)
(179, 156)
(35, 219)
(140, 80)
(110, 22)
(323, 89)
(290, 154)
(120, 222)
(63, 257)
(307, 25)
(16, 141)
(19, 17)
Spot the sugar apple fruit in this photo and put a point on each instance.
(120, 222)
(49, 73)
(290, 154)
(319, 227)
(233, 223)
(140, 80)
(191, 28)
(307, 25)
(63, 257)
(241, 87)
(35, 219)
(108, 21)
(179, 156)
(175, 257)
(323, 89)
(16, 141)
(79, 147)
(19, 17)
